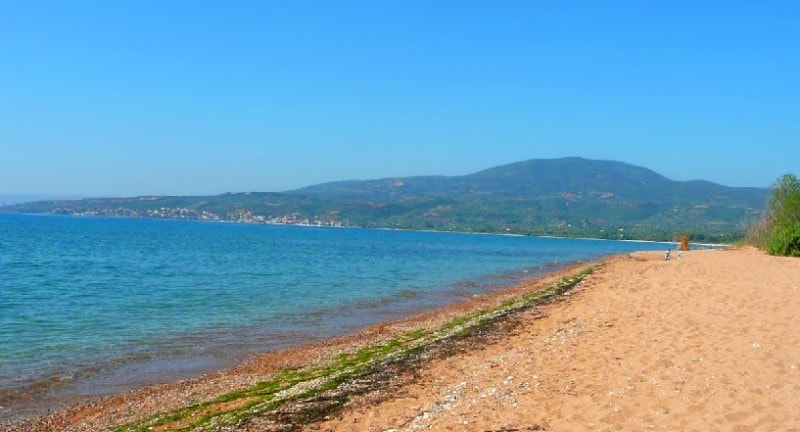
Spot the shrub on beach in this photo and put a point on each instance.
(779, 231)
(784, 241)
(683, 242)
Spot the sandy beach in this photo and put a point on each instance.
(707, 342)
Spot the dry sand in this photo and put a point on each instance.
(708, 342)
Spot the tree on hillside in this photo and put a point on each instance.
(779, 231)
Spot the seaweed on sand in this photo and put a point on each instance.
(294, 397)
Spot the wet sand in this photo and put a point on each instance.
(707, 342)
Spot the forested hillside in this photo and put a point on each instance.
(568, 197)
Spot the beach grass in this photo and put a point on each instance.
(312, 381)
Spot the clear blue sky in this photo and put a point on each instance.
(203, 97)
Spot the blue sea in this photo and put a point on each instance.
(91, 306)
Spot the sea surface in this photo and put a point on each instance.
(90, 306)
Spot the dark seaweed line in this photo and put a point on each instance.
(318, 390)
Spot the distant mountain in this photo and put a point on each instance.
(9, 199)
(569, 197)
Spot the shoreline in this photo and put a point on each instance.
(705, 342)
(92, 381)
(257, 367)
(461, 274)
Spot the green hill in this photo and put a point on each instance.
(570, 197)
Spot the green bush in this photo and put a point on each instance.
(778, 232)
(784, 241)
(784, 205)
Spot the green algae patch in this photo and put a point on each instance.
(312, 381)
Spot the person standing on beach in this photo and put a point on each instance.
(666, 255)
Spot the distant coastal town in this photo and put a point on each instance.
(184, 213)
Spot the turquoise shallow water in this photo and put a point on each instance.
(101, 304)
